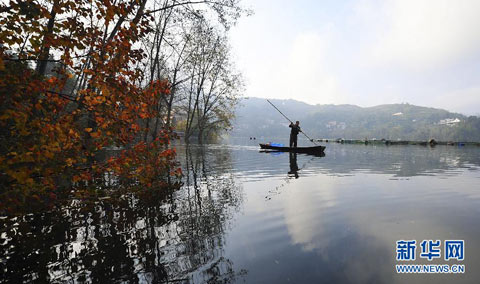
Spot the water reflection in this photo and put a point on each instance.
(402, 161)
(106, 241)
(347, 160)
(333, 219)
(293, 165)
(158, 238)
(208, 201)
(339, 222)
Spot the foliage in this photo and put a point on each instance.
(52, 137)
(213, 87)
(189, 46)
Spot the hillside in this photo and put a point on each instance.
(255, 117)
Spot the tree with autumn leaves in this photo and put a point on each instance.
(73, 85)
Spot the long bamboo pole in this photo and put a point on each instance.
(311, 140)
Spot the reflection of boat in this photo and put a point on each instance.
(307, 150)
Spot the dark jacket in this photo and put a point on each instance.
(295, 129)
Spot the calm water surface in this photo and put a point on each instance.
(244, 216)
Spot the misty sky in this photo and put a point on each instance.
(362, 52)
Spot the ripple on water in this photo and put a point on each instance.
(240, 209)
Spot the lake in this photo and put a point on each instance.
(245, 216)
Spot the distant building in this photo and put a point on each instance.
(449, 121)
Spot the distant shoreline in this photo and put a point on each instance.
(430, 142)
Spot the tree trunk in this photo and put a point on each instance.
(45, 52)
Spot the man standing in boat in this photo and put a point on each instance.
(294, 133)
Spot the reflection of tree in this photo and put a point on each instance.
(152, 239)
(211, 197)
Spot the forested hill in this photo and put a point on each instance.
(257, 118)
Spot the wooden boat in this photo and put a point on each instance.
(307, 150)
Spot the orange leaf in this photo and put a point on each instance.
(95, 134)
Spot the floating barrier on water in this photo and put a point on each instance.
(430, 142)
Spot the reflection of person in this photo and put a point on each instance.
(293, 165)
(294, 133)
